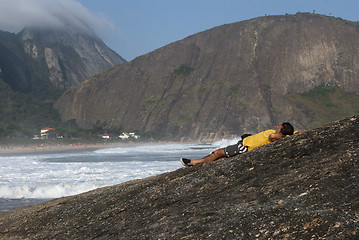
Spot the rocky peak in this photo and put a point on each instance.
(229, 80)
(39, 63)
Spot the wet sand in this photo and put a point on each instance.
(60, 148)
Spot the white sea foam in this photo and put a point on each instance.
(44, 191)
(46, 176)
(226, 142)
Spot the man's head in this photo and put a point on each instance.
(286, 129)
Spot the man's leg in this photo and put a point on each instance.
(212, 157)
(229, 151)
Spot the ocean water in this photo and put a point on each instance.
(30, 179)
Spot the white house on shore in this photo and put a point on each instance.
(45, 132)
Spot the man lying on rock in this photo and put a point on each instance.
(247, 143)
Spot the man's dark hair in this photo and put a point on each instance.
(287, 129)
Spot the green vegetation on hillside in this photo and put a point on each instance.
(25, 111)
(325, 104)
(183, 70)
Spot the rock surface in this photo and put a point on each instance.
(302, 187)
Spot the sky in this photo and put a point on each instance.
(136, 27)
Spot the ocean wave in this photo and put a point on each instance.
(162, 148)
(45, 191)
(47, 176)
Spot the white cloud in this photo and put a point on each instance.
(17, 14)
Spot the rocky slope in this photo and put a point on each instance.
(301, 187)
(228, 80)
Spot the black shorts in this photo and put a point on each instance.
(235, 149)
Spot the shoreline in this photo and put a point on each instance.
(26, 150)
(60, 148)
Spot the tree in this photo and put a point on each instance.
(99, 127)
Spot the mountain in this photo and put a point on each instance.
(223, 82)
(39, 63)
(301, 187)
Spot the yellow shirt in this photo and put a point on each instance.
(258, 139)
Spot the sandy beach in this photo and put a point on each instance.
(43, 149)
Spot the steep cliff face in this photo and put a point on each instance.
(301, 187)
(231, 79)
(71, 55)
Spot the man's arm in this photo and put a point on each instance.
(275, 136)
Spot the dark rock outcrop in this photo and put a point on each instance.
(71, 54)
(302, 187)
(231, 79)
